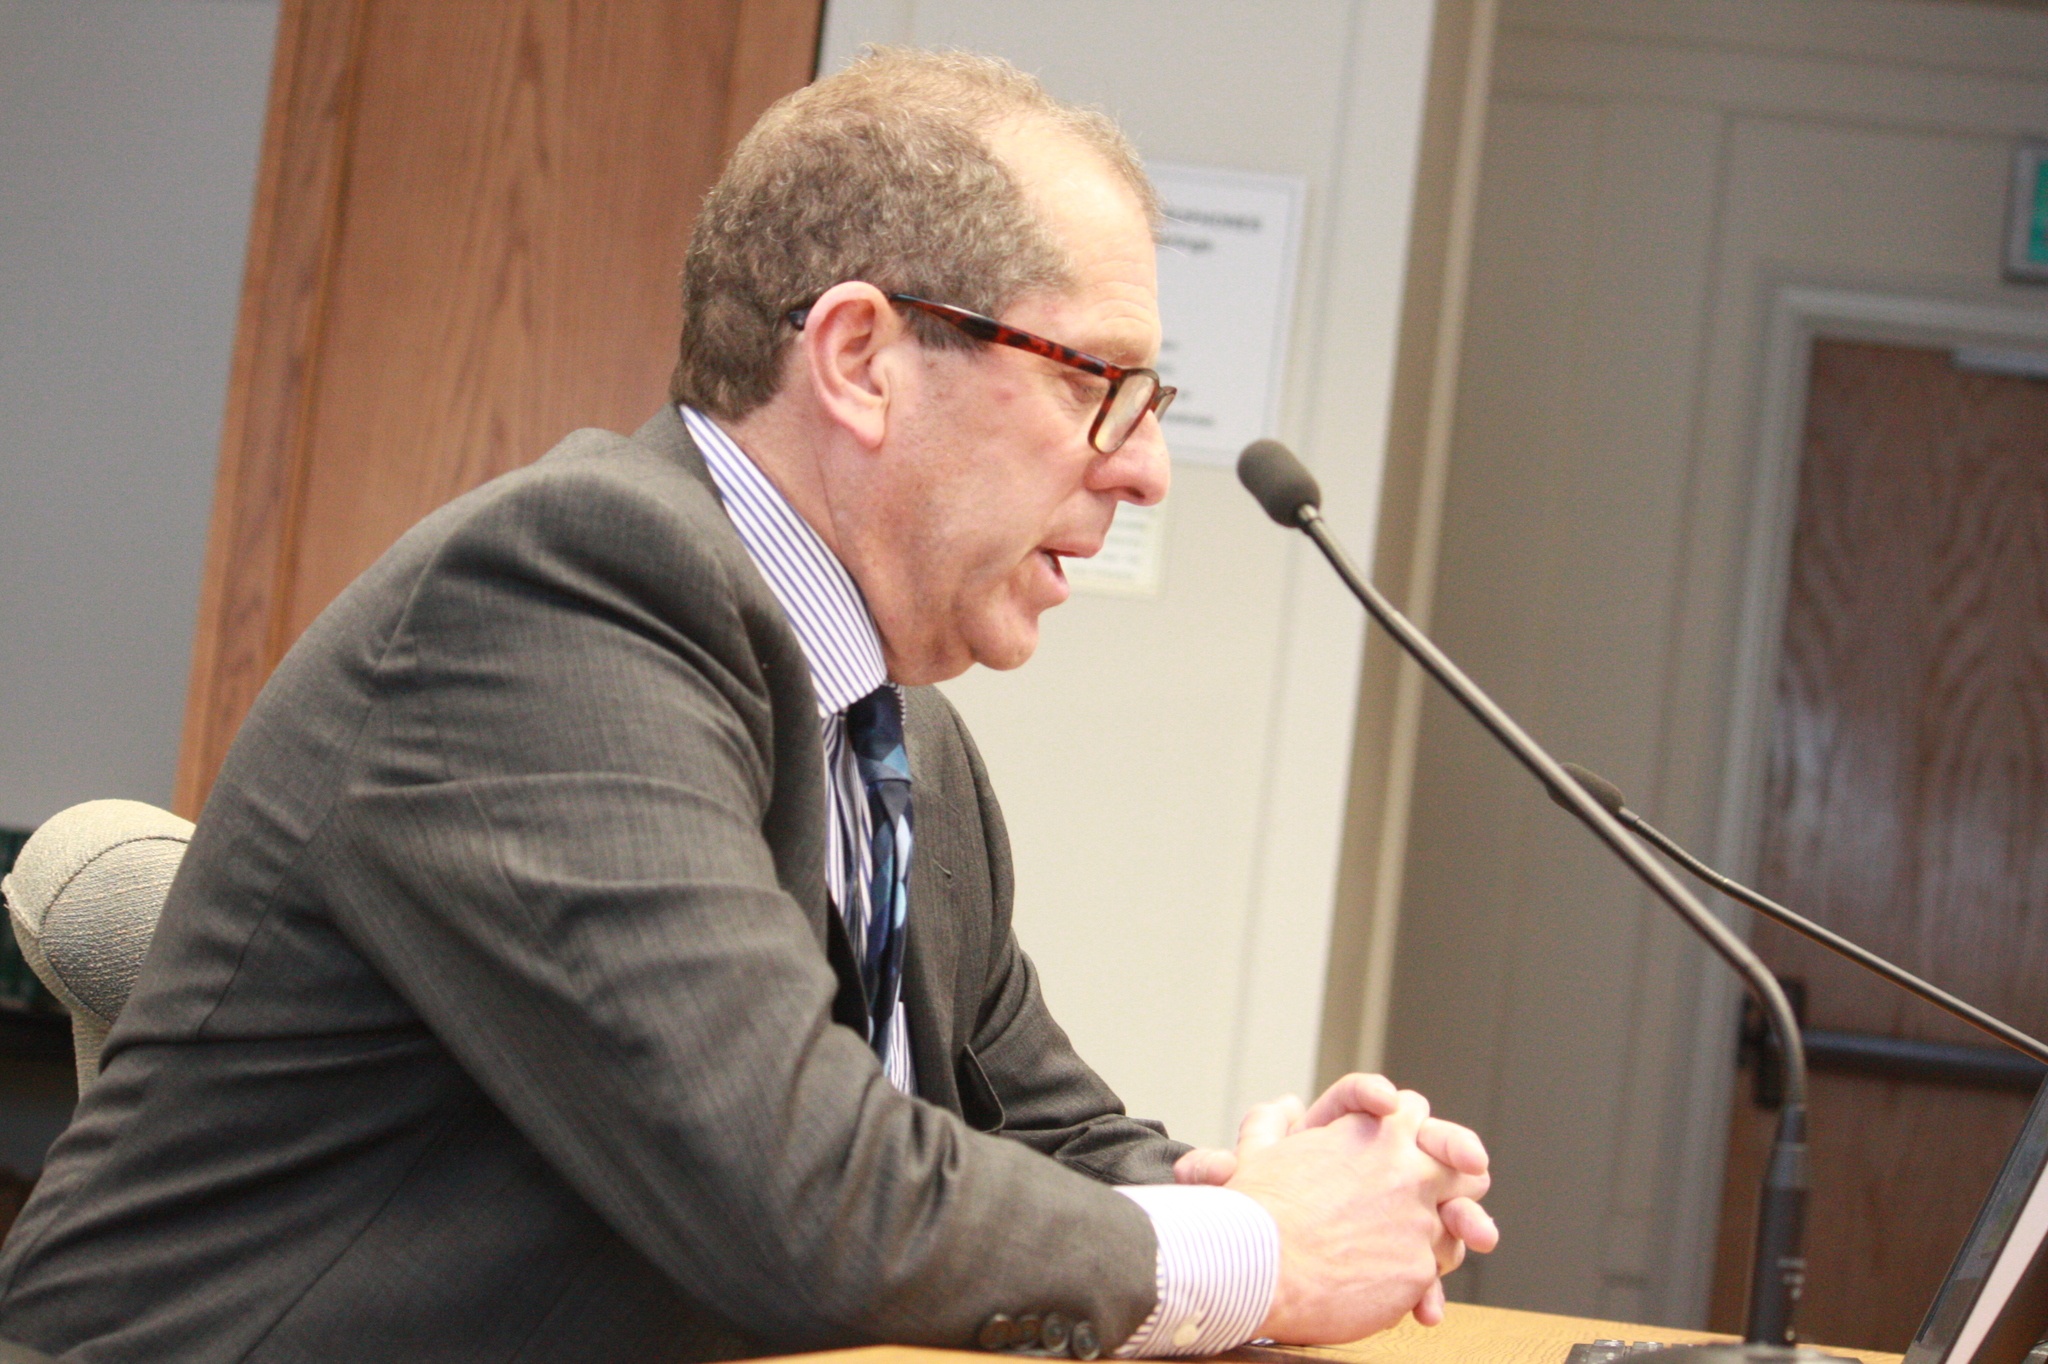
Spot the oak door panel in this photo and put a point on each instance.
(1907, 808)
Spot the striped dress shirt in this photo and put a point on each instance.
(1219, 1251)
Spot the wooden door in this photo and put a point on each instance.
(1907, 809)
(468, 234)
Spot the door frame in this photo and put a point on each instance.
(1798, 314)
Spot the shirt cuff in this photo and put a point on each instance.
(1219, 1264)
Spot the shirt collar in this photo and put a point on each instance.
(823, 603)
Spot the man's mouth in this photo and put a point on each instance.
(1052, 557)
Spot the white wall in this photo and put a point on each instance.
(1657, 174)
(129, 132)
(1174, 769)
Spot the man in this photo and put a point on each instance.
(597, 944)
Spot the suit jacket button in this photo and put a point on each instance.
(1054, 1332)
(1081, 1342)
(996, 1333)
(1025, 1335)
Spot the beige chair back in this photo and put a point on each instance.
(84, 897)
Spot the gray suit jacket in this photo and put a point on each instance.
(492, 1014)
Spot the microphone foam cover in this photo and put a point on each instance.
(1598, 787)
(1271, 473)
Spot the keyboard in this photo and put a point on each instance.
(1607, 1351)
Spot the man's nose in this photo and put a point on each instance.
(1138, 470)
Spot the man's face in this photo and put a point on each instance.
(992, 480)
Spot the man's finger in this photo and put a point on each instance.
(1205, 1165)
(1430, 1311)
(1266, 1124)
(1470, 1223)
(1355, 1093)
(1407, 1119)
(1450, 1253)
(1450, 1144)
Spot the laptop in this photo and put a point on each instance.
(2001, 1245)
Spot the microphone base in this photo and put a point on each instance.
(1736, 1353)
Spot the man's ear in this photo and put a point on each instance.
(849, 346)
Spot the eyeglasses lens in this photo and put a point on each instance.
(1127, 407)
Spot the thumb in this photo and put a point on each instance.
(1205, 1165)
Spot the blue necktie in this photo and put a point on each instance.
(874, 729)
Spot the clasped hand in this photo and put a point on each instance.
(1375, 1199)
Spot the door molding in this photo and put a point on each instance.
(1798, 315)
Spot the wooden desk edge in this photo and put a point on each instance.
(1469, 1335)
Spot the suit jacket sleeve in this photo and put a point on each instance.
(552, 845)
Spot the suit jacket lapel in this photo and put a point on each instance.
(945, 952)
(930, 950)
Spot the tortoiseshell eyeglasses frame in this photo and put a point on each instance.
(1101, 431)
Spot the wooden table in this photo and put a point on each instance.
(1469, 1335)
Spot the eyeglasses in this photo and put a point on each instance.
(1132, 392)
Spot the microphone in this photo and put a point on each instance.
(1288, 492)
(1271, 473)
(1610, 798)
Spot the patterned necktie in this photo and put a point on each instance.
(874, 729)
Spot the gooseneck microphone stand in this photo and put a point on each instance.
(1610, 798)
(1271, 473)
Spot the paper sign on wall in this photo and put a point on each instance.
(1227, 257)
(1128, 565)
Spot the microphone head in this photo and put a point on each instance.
(1271, 473)
(1598, 787)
